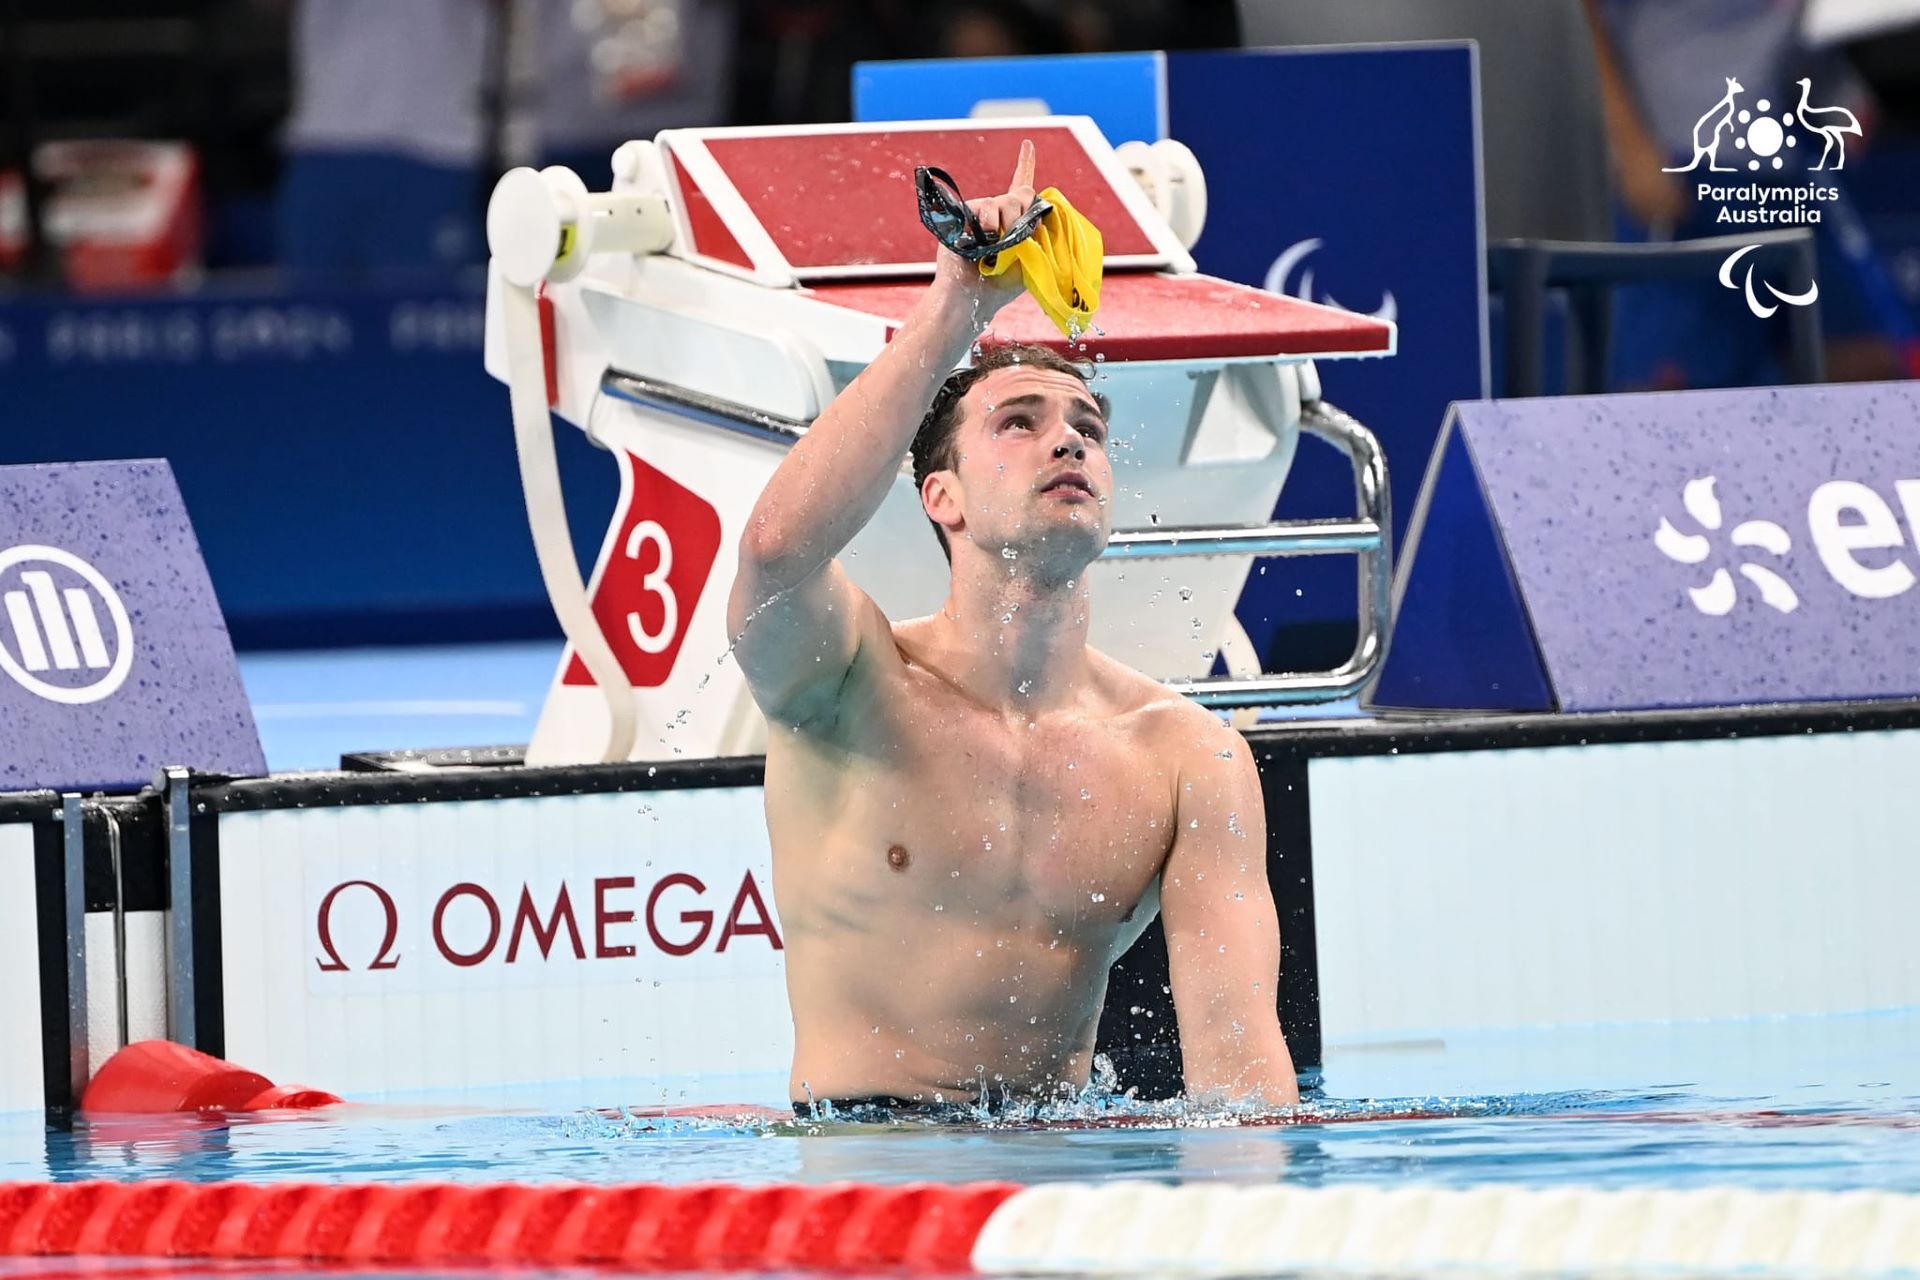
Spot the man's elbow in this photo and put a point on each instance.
(763, 541)
(771, 559)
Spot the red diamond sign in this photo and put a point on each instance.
(664, 546)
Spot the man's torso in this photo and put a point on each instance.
(954, 882)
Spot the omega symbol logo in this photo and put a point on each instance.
(64, 633)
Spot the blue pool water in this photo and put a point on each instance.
(1809, 1103)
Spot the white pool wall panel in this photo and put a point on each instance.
(22, 1086)
(423, 1022)
(1622, 882)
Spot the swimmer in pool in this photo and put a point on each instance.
(974, 813)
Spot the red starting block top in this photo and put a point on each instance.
(1156, 316)
(837, 202)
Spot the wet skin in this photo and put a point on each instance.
(974, 813)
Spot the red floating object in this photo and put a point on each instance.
(158, 1076)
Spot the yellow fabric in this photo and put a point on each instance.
(1061, 264)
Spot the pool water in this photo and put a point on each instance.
(1830, 1103)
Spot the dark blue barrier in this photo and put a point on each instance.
(1347, 175)
(348, 462)
(1688, 549)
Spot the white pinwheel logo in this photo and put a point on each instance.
(1718, 597)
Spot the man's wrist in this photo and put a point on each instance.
(951, 314)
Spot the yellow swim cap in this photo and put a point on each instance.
(1060, 263)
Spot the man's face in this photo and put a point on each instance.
(1033, 475)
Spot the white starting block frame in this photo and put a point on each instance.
(695, 320)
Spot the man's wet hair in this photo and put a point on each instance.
(934, 445)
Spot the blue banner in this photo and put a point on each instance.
(1124, 93)
(348, 461)
(1350, 177)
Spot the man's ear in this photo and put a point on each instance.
(940, 495)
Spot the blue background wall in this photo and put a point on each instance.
(345, 459)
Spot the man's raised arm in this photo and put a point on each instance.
(797, 619)
(1223, 934)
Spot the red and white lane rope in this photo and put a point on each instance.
(1109, 1228)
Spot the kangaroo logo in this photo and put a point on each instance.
(1717, 598)
(1707, 130)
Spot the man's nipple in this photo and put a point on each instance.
(898, 857)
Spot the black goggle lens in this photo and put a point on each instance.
(945, 213)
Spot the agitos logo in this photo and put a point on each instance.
(674, 923)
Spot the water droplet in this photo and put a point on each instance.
(1086, 794)
(1098, 897)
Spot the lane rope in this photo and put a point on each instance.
(1057, 1229)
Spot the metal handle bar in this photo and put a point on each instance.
(1370, 539)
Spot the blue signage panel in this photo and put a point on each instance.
(1124, 93)
(114, 660)
(1346, 176)
(1682, 549)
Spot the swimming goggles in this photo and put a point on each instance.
(945, 213)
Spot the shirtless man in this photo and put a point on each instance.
(973, 814)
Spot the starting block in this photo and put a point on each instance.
(694, 320)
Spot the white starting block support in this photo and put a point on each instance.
(697, 318)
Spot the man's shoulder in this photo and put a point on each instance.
(1172, 719)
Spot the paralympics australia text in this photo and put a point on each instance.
(1756, 204)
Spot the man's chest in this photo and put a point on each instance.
(1068, 813)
